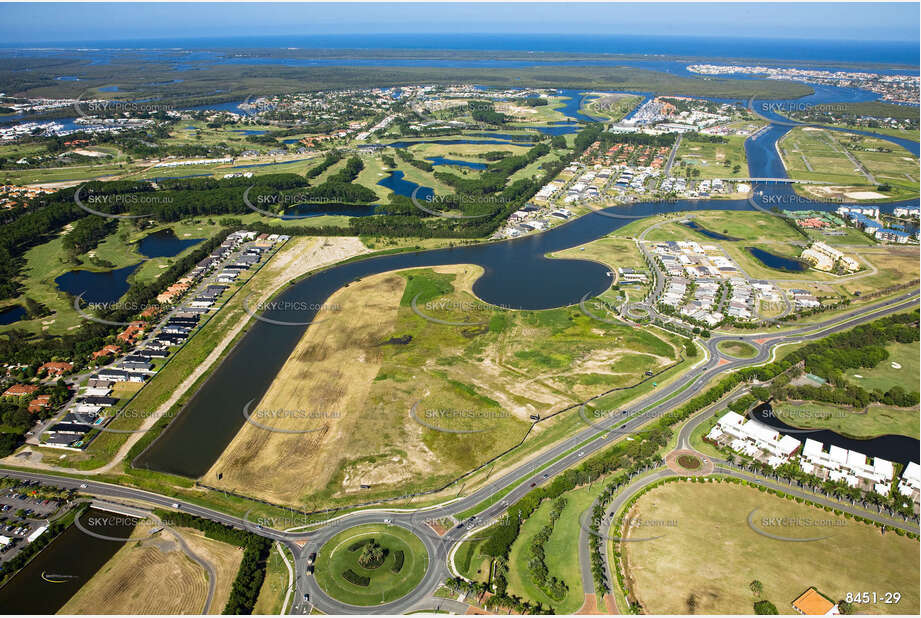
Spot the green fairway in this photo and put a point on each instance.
(884, 376)
(737, 349)
(384, 581)
(876, 420)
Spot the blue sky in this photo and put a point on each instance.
(25, 24)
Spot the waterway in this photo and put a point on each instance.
(69, 561)
(901, 449)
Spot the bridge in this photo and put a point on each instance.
(778, 180)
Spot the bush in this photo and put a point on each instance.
(360, 580)
(397, 561)
(765, 607)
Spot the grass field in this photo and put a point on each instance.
(876, 420)
(154, 576)
(562, 551)
(471, 388)
(737, 349)
(336, 557)
(706, 561)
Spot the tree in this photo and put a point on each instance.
(756, 587)
(372, 555)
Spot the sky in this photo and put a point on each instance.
(25, 24)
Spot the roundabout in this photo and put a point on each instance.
(686, 462)
(371, 564)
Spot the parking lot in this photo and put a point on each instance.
(23, 510)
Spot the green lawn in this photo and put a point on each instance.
(562, 551)
(877, 420)
(737, 349)
(336, 557)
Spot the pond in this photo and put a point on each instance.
(708, 233)
(777, 262)
(396, 183)
(468, 164)
(164, 243)
(12, 314)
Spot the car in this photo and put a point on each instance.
(533, 484)
(82, 485)
(388, 521)
(306, 596)
(581, 453)
(312, 558)
(546, 476)
(175, 505)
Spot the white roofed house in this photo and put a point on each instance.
(754, 439)
(851, 467)
(910, 483)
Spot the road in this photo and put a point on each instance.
(516, 483)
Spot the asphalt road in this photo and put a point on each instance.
(597, 435)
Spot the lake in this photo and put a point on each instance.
(468, 164)
(96, 287)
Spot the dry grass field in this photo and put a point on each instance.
(155, 576)
(705, 560)
(401, 402)
(327, 377)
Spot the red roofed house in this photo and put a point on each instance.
(20, 390)
(132, 332)
(107, 350)
(40, 402)
(57, 368)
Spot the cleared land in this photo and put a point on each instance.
(875, 420)
(155, 576)
(856, 161)
(713, 160)
(705, 563)
(423, 401)
(404, 563)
